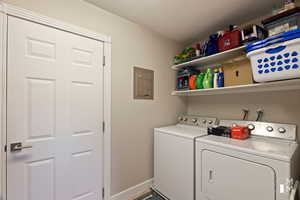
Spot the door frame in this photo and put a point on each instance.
(9, 10)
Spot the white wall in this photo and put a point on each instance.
(132, 120)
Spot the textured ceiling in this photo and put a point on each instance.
(186, 20)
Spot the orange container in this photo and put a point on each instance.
(240, 132)
(192, 82)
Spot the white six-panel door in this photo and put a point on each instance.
(55, 109)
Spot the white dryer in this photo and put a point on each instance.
(263, 167)
(174, 156)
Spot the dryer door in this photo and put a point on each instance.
(228, 178)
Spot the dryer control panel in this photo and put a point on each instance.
(267, 129)
(199, 121)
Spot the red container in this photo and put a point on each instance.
(240, 133)
(230, 40)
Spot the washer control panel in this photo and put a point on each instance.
(197, 120)
(275, 130)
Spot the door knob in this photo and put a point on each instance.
(15, 147)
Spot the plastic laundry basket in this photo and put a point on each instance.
(276, 58)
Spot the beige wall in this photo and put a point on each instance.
(282, 107)
(132, 120)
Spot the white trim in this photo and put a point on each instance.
(31, 16)
(3, 109)
(9, 10)
(107, 120)
(1, 86)
(134, 191)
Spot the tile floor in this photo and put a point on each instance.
(150, 196)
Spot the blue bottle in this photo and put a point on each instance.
(221, 78)
(212, 45)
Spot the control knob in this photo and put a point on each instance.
(210, 121)
(251, 127)
(269, 128)
(204, 121)
(281, 130)
(194, 120)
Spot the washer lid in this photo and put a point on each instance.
(272, 148)
(185, 131)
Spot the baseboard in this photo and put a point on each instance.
(134, 191)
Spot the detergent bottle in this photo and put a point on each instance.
(208, 79)
(199, 82)
(221, 78)
(216, 77)
(192, 82)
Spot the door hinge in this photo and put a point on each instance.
(5, 148)
(103, 126)
(104, 62)
(289, 184)
(102, 193)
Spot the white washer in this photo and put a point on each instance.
(174, 148)
(262, 167)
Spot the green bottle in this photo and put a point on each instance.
(208, 79)
(199, 81)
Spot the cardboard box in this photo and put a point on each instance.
(237, 72)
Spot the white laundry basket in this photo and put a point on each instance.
(276, 58)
